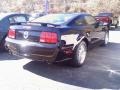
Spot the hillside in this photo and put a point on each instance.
(90, 6)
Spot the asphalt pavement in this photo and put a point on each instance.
(100, 71)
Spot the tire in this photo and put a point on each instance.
(106, 39)
(2, 46)
(79, 55)
(109, 27)
(116, 26)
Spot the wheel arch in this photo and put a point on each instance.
(86, 41)
(82, 39)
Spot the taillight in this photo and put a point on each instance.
(48, 37)
(11, 33)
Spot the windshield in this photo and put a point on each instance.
(54, 18)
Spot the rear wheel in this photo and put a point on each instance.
(79, 55)
(2, 46)
(109, 26)
(116, 26)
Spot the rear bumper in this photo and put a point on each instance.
(33, 50)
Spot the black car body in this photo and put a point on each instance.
(110, 18)
(7, 19)
(56, 37)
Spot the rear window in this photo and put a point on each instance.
(54, 18)
(101, 17)
(90, 20)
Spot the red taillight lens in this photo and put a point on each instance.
(11, 33)
(48, 37)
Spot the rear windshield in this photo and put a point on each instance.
(54, 18)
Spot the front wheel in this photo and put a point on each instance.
(116, 26)
(79, 54)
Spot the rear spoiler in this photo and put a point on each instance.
(35, 23)
(17, 23)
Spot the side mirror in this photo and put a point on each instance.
(97, 24)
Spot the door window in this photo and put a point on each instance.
(79, 21)
(90, 20)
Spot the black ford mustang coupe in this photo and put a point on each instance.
(57, 37)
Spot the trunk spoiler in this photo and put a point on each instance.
(35, 23)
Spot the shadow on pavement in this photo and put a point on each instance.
(6, 56)
(101, 70)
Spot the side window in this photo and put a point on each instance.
(17, 19)
(11, 20)
(79, 21)
(90, 20)
(20, 19)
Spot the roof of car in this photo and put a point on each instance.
(105, 14)
(100, 16)
(71, 14)
(76, 13)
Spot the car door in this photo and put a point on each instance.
(82, 27)
(76, 27)
(96, 33)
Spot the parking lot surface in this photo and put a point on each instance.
(100, 71)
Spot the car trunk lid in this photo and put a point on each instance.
(34, 33)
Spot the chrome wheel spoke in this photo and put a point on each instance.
(106, 39)
(82, 53)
